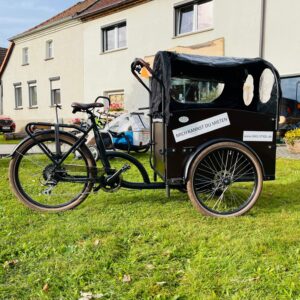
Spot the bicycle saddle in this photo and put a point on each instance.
(85, 106)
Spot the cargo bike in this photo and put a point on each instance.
(213, 123)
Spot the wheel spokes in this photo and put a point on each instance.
(225, 180)
(40, 178)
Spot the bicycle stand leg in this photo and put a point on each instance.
(168, 194)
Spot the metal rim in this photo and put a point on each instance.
(39, 183)
(225, 181)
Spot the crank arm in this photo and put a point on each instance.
(115, 176)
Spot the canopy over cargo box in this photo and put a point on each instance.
(184, 81)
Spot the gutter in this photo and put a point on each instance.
(262, 28)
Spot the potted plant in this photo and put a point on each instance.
(292, 140)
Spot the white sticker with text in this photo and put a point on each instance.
(201, 127)
(258, 136)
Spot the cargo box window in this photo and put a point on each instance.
(189, 90)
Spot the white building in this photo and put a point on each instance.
(88, 52)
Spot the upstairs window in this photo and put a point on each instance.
(49, 49)
(32, 94)
(194, 16)
(18, 95)
(25, 57)
(114, 37)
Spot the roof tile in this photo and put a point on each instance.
(104, 5)
(2, 54)
(69, 12)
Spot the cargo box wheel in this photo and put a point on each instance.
(225, 180)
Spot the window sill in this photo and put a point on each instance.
(49, 58)
(192, 33)
(114, 50)
(24, 65)
(18, 108)
(33, 107)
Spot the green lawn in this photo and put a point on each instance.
(166, 249)
(3, 141)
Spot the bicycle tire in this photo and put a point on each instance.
(22, 190)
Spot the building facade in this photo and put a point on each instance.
(90, 54)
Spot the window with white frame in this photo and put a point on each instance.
(18, 95)
(55, 91)
(32, 93)
(193, 16)
(114, 37)
(25, 56)
(49, 49)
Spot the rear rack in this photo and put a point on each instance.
(33, 127)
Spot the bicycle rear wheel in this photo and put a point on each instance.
(41, 185)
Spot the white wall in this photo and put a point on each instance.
(282, 35)
(67, 63)
(150, 28)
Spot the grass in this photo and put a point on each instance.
(166, 249)
(3, 141)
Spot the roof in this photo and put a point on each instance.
(104, 6)
(6, 58)
(2, 54)
(82, 9)
(68, 13)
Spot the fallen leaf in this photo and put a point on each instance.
(86, 296)
(96, 242)
(161, 283)
(90, 296)
(46, 287)
(126, 278)
(150, 266)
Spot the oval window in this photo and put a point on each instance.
(248, 90)
(266, 83)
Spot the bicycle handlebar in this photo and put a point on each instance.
(103, 97)
(136, 68)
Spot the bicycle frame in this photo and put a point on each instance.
(82, 139)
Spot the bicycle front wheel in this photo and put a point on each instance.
(40, 184)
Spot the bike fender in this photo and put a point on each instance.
(207, 144)
(17, 147)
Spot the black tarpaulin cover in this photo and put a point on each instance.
(231, 71)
